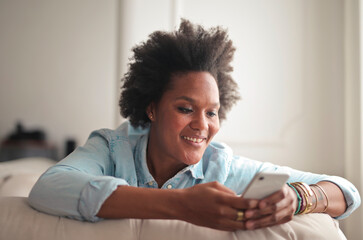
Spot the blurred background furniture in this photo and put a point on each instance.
(21, 144)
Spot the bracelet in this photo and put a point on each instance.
(307, 188)
(304, 198)
(299, 200)
(326, 196)
(302, 205)
(316, 200)
(307, 193)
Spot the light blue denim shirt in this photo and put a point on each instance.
(78, 185)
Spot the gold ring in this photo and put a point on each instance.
(239, 216)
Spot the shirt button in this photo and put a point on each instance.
(169, 186)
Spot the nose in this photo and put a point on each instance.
(199, 122)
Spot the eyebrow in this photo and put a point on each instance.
(191, 100)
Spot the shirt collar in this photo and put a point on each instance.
(142, 170)
(197, 170)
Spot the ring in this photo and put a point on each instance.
(240, 215)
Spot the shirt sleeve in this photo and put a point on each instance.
(78, 185)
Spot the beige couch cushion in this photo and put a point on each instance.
(18, 221)
(17, 177)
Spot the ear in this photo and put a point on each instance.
(150, 111)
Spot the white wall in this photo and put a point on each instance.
(58, 66)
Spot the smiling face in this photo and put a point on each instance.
(185, 119)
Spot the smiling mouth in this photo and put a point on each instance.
(195, 140)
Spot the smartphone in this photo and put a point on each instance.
(264, 184)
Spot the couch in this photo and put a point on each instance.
(18, 221)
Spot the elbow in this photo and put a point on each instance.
(357, 199)
(38, 194)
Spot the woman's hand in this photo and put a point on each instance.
(275, 209)
(214, 205)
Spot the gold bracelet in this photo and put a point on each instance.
(316, 200)
(310, 193)
(307, 188)
(307, 193)
(326, 196)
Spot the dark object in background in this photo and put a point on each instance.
(22, 143)
(21, 135)
(70, 146)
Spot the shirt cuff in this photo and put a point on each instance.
(95, 193)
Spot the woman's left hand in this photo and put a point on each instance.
(275, 209)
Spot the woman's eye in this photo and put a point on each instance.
(185, 110)
(211, 114)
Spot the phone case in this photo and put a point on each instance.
(264, 184)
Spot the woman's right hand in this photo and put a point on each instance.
(213, 205)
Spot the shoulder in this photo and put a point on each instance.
(223, 151)
(218, 153)
(220, 164)
(223, 154)
(124, 132)
(219, 148)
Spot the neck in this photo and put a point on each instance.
(161, 167)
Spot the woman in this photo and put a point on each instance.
(162, 163)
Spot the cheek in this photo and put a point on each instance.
(177, 123)
(214, 128)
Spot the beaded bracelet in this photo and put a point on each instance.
(299, 200)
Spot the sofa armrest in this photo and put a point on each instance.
(19, 221)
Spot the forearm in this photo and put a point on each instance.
(336, 204)
(143, 203)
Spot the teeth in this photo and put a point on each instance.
(196, 140)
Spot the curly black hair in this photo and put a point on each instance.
(191, 48)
